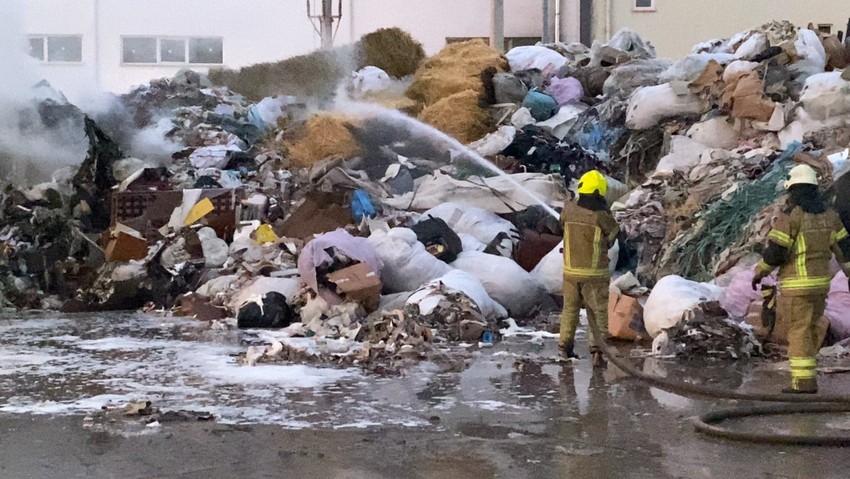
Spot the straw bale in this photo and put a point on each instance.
(392, 50)
(323, 136)
(460, 115)
(456, 68)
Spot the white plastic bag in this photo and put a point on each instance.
(478, 223)
(469, 285)
(215, 250)
(407, 266)
(370, 79)
(505, 281)
(649, 105)
(550, 270)
(715, 132)
(494, 143)
(533, 56)
(810, 48)
(684, 154)
(826, 95)
(211, 156)
(690, 67)
(752, 47)
(737, 68)
(670, 298)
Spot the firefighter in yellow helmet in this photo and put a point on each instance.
(589, 231)
(801, 243)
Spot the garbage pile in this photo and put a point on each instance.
(377, 234)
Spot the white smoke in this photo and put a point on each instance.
(29, 150)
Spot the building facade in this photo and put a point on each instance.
(113, 45)
(675, 26)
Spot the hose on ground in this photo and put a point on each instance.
(795, 404)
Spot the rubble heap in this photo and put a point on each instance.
(364, 229)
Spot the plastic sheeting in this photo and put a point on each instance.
(498, 194)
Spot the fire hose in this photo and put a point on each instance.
(707, 423)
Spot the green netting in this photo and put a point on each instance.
(723, 224)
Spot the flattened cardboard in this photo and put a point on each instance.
(358, 283)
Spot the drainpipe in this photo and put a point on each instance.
(97, 44)
(497, 25)
(608, 20)
(548, 21)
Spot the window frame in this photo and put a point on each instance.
(186, 53)
(45, 45)
(650, 8)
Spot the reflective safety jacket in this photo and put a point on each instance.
(801, 245)
(588, 234)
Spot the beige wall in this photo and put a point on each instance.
(676, 25)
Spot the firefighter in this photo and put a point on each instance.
(801, 243)
(589, 231)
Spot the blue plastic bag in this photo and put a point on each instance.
(361, 206)
(541, 105)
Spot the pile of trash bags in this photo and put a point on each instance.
(419, 209)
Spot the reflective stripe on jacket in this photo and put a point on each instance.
(801, 244)
(588, 234)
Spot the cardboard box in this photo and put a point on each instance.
(625, 318)
(358, 283)
(780, 332)
(125, 247)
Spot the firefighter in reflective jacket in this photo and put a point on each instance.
(589, 231)
(801, 244)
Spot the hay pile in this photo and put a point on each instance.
(323, 136)
(392, 50)
(454, 69)
(449, 89)
(314, 75)
(318, 74)
(460, 115)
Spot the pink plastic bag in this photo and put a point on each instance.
(736, 298)
(565, 90)
(838, 307)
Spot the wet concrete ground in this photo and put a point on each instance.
(510, 411)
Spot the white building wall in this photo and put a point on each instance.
(252, 30)
(675, 26)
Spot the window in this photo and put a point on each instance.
(172, 50)
(825, 28)
(644, 6)
(65, 49)
(139, 50)
(57, 48)
(205, 50)
(153, 50)
(37, 48)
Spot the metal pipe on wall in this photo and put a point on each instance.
(549, 21)
(497, 25)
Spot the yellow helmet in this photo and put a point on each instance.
(592, 182)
